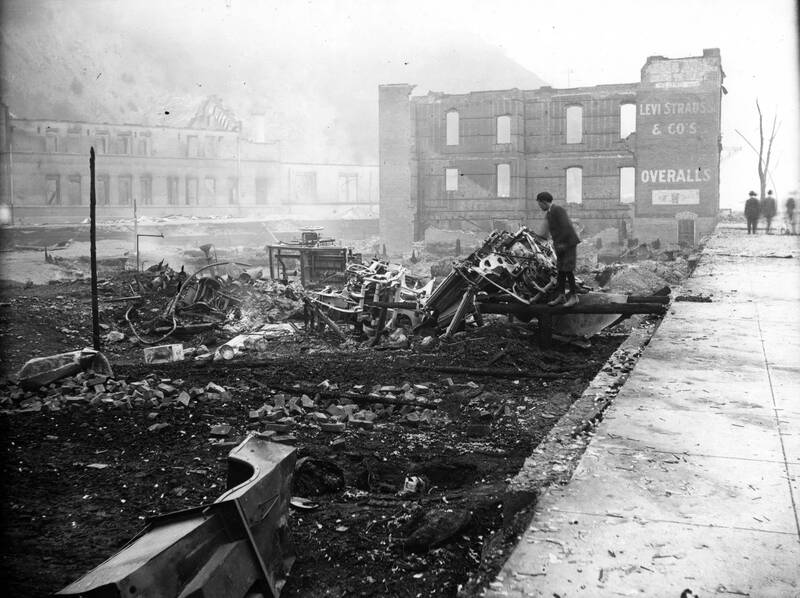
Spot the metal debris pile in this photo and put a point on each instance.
(519, 267)
(511, 273)
(209, 300)
(382, 297)
(367, 292)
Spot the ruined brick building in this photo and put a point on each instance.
(640, 158)
(208, 168)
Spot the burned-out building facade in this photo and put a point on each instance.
(640, 159)
(209, 168)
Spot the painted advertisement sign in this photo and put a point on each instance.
(686, 117)
(675, 197)
(677, 151)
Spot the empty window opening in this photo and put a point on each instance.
(146, 190)
(574, 124)
(101, 190)
(627, 184)
(101, 144)
(172, 190)
(124, 190)
(191, 191)
(51, 143)
(233, 191)
(210, 146)
(627, 120)
(451, 179)
(452, 127)
(262, 191)
(575, 185)
(73, 144)
(74, 190)
(348, 188)
(210, 191)
(305, 187)
(503, 180)
(124, 144)
(504, 129)
(191, 146)
(53, 190)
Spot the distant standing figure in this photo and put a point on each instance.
(751, 212)
(768, 209)
(565, 242)
(790, 213)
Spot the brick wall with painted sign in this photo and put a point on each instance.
(678, 136)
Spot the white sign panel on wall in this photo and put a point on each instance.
(675, 197)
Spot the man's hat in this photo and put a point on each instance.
(752, 194)
(544, 196)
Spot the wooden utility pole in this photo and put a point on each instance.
(93, 245)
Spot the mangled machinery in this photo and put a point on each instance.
(238, 546)
(511, 273)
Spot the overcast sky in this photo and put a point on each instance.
(566, 43)
(592, 42)
(581, 42)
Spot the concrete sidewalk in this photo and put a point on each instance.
(693, 477)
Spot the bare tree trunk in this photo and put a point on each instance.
(763, 161)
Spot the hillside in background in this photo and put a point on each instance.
(107, 62)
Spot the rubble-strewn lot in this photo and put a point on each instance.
(405, 442)
(83, 468)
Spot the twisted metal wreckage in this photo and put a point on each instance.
(511, 273)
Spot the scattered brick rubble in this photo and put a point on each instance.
(357, 408)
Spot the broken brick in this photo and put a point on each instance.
(221, 430)
(167, 389)
(336, 411)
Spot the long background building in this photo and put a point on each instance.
(641, 159)
(206, 169)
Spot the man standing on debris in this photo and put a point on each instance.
(768, 209)
(565, 242)
(751, 211)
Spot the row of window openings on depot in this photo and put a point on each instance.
(574, 133)
(53, 195)
(123, 146)
(305, 188)
(573, 182)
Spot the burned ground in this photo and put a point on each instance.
(80, 475)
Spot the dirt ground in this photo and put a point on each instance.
(79, 481)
